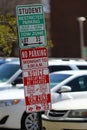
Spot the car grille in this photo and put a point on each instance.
(56, 113)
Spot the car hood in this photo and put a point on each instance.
(71, 104)
(12, 93)
(5, 85)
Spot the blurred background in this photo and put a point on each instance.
(66, 27)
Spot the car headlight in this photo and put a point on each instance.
(5, 103)
(77, 114)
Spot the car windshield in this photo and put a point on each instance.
(7, 70)
(2, 61)
(57, 78)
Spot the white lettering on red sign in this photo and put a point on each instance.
(36, 76)
(38, 99)
(42, 102)
(34, 53)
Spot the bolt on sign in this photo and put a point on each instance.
(36, 79)
(31, 26)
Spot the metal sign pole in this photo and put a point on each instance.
(40, 120)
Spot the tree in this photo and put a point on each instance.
(9, 36)
(8, 33)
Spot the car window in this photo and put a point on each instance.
(7, 70)
(78, 84)
(18, 80)
(57, 78)
(82, 67)
(58, 68)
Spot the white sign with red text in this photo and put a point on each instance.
(36, 79)
(34, 58)
(37, 91)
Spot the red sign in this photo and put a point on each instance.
(34, 53)
(34, 58)
(38, 102)
(36, 79)
(36, 76)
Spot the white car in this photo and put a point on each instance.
(68, 85)
(73, 81)
(12, 102)
(10, 74)
(13, 111)
(12, 105)
(66, 115)
(56, 64)
(12, 108)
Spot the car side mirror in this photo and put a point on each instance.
(17, 81)
(64, 89)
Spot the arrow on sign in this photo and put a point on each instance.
(26, 44)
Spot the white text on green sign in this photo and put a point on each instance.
(31, 26)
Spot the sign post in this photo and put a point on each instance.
(34, 58)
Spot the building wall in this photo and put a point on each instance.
(65, 32)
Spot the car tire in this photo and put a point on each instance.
(30, 121)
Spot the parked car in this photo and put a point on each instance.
(12, 107)
(56, 64)
(68, 84)
(9, 71)
(66, 115)
(13, 64)
(13, 111)
(12, 104)
(69, 97)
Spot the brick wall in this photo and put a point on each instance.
(65, 28)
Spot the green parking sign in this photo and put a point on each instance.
(31, 26)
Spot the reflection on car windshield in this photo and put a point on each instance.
(2, 62)
(7, 70)
(57, 78)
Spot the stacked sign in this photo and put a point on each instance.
(34, 57)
